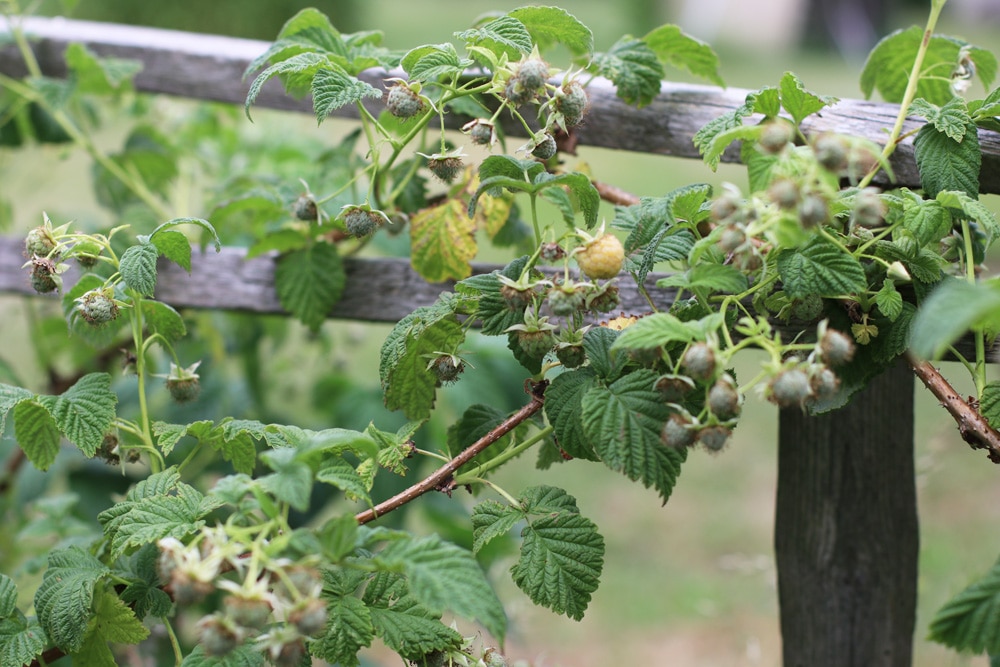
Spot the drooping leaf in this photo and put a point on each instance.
(633, 67)
(953, 308)
(946, 164)
(549, 26)
(972, 209)
(676, 48)
(138, 268)
(442, 242)
(175, 247)
(84, 412)
(333, 88)
(562, 556)
(563, 409)
(405, 625)
(407, 382)
(63, 600)
(444, 576)
(292, 479)
(163, 227)
(892, 59)
(889, 300)
(582, 191)
(309, 281)
(623, 421)
(163, 320)
(296, 72)
(37, 434)
(970, 621)
(819, 267)
(10, 396)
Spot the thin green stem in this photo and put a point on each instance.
(174, 643)
(910, 92)
(979, 374)
(503, 457)
(532, 197)
(498, 489)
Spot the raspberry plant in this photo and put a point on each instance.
(869, 273)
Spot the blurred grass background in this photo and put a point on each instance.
(692, 583)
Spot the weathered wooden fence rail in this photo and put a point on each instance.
(846, 525)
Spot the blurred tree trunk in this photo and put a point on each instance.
(846, 533)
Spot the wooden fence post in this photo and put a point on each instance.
(846, 533)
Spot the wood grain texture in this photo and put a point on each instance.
(211, 67)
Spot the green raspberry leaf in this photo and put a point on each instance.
(928, 220)
(633, 67)
(341, 474)
(819, 267)
(492, 309)
(138, 268)
(175, 247)
(8, 596)
(430, 62)
(84, 412)
(676, 48)
(309, 282)
(893, 57)
(970, 621)
(292, 480)
(63, 600)
(989, 403)
(144, 594)
(308, 30)
(491, 520)
(549, 26)
(333, 88)
(477, 420)
(10, 396)
(562, 554)
(707, 138)
(408, 384)
(655, 331)
(504, 34)
(973, 209)
(163, 320)
(563, 407)
(37, 434)
(889, 300)
(296, 72)
(175, 222)
(706, 277)
(114, 622)
(349, 628)
(953, 308)
(444, 576)
(946, 164)
(21, 641)
(798, 101)
(623, 420)
(442, 242)
(951, 119)
(598, 343)
(101, 76)
(405, 625)
(583, 192)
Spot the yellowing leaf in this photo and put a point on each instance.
(492, 213)
(442, 242)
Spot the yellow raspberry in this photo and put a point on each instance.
(601, 258)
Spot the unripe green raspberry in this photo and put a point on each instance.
(775, 135)
(532, 74)
(361, 221)
(183, 383)
(493, 658)
(724, 399)
(836, 348)
(403, 102)
(673, 388)
(571, 101)
(545, 147)
(677, 432)
(446, 168)
(571, 355)
(218, 635)
(790, 387)
(291, 653)
(714, 438)
(784, 192)
(869, 209)
(566, 299)
(38, 243)
(305, 208)
(724, 206)
(247, 612)
(813, 210)
(604, 299)
(824, 383)
(699, 362)
(447, 368)
(43, 275)
(732, 238)
(517, 298)
(481, 131)
(98, 306)
(831, 152)
(309, 617)
(536, 344)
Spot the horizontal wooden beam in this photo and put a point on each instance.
(211, 67)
